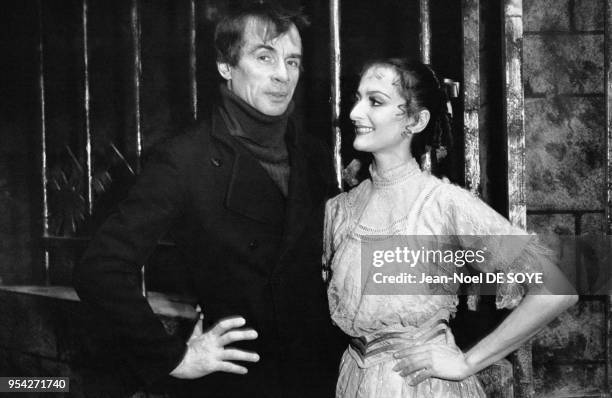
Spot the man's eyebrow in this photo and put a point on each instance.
(261, 46)
(270, 48)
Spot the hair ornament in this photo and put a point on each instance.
(451, 90)
(441, 152)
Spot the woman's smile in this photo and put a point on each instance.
(362, 130)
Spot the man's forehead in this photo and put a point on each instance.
(258, 32)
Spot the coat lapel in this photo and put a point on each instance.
(250, 191)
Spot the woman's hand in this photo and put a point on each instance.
(444, 361)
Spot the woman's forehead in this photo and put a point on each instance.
(379, 72)
(381, 76)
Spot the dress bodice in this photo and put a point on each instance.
(403, 201)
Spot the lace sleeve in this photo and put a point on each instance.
(510, 249)
(334, 215)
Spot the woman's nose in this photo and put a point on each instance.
(356, 112)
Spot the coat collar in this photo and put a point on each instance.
(250, 191)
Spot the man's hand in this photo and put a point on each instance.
(206, 352)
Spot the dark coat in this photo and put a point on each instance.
(251, 252)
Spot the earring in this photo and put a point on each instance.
(407, 132)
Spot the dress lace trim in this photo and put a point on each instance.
(394, 175)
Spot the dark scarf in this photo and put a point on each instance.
(262, 135)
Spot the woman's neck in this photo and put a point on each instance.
(387, 161)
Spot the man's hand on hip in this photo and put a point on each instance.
(206, 352)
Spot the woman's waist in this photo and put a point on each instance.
(381, 345)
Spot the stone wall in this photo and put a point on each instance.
(565, 136)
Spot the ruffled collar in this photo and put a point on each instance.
(394, 175)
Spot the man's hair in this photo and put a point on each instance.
(229, 33)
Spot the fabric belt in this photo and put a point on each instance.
(380, 347)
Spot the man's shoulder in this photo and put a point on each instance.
(319, 156)
(313, 146)
(190, 141)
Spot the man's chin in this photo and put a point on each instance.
(274, 110)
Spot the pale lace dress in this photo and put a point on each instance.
(403, 201)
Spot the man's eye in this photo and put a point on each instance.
(265, 58)
(293, 63)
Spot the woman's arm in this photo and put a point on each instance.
(534, 312)
(537, 309)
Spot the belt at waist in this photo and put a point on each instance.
(380, 347)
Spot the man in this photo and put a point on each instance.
(243, 196)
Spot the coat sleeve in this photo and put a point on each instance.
(108, 277)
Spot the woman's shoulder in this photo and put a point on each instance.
(349, 198)
(445, 191)
(438, 189)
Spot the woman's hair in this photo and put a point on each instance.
(418, 84)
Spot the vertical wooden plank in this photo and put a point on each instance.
(425, 47)
(43, 144)
(471, 92)
(136, 77)
(514, 112)
(608, 89)
(425, 36)
(608, 209)
(86, 109)
(335, 65)
(137, 81)
(193, 59)
(514, 125)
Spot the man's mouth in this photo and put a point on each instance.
(279, 96)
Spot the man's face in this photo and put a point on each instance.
(267, 71)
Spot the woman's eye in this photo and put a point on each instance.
(375, 102)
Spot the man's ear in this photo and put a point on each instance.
(421, 118)
(225, 70)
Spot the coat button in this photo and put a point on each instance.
(216, 162)
(253, 245)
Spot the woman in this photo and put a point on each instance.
(401, 345)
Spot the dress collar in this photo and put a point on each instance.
(394, 175)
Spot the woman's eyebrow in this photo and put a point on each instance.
(377, 92)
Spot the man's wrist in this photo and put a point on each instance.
(179, 371)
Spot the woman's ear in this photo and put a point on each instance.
(421, 118)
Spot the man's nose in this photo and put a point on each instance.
(281, 73)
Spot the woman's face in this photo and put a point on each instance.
(377, 114)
